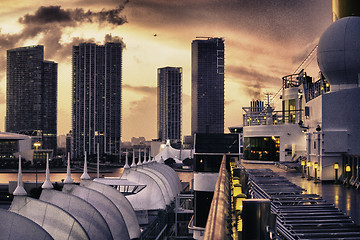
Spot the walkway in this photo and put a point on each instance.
(346, 199)
(306, 216)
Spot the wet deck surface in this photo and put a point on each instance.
(346, 199)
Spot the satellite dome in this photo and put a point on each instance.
(339, 53)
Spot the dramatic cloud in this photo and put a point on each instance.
(50, 22)
(253, 81)
(114, 39)
(69, 17)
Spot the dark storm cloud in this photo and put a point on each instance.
(49, 22)
(114, 39)
(250, 74)
(55, 14)
(48, 15)
(64, 50)
(253, 81)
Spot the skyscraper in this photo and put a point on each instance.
(207, 80)
(169, 103)
(31, 102)
(96, 112)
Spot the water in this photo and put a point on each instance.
(54, 177)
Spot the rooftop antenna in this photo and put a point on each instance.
(47, 184)
(85, 175)
(20, 190)
(68, 178)
(268, 99)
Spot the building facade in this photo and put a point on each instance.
(96, 112)
(207, 80)
(169, 103)
(31, 105)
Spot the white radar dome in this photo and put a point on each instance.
(339, 53)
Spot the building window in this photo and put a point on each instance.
(289, 111)
(262, 148)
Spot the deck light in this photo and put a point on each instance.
(316, 165)
(303, 168)
(347, 170)
(37, 145)
(308, 164)
(336, 167)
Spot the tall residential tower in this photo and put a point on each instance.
(31, 96)
(169, 103)
(96, 117)
(207, 78)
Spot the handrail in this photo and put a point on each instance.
(216, 225)
(271, 117)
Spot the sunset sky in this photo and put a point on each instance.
(264, 40)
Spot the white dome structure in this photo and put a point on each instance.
(338, 53)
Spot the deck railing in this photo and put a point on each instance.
(217, 226)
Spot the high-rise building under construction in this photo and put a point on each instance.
(207, 78)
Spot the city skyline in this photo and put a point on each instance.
(264, 41)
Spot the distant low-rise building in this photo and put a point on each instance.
(12, 145)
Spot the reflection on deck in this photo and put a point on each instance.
(304, 209)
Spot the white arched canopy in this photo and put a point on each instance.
(121, 202)
(90, 218)
(151, 197)
(163, 168)
(17, 227)
(104, 205)
(57, 222)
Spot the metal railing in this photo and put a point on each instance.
(271, 118)
(217, 226)
(300, 215)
